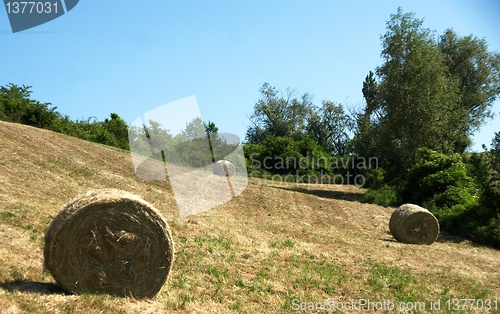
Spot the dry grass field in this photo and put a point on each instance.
(262, 252)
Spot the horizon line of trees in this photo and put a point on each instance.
(199, 144)
(17, 106)
(422, 106)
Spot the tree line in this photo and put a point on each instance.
(16, 105)
(421, 109)
(198, 145)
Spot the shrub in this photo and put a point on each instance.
(489, 234)
(435, 173)
(374, 177)
(386, 195)
(283, 155)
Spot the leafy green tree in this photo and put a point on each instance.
(279, 115)
(194, 129)
(366, 123)
(417, 97)
(441, 184)
(285, 156)
(477, 72)
(17, 106)
(118, 131)
(428, 93)
(39, 115)
(414, 102)
(491, 191)
(64, 125)
(210, 128)
(330, 127)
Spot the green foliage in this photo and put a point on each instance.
(366, 141)
(477, 72)
(435, 173)
(441, 184)
(17, 106)
(284, 115)
(462, 192)
(464, 201)
(284, 156)
(374, 177)
(495, 158)
(489, 233)
(416, 95)
(278, 115)
(427, 93)
(117, 130)
(484, 224)
(385, 195)
(291, 136)
(330, 127)
(478, 167)
(252, 156)
(196, 146)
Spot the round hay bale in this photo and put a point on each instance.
(109, 241)
(224, 168)
(413, 224)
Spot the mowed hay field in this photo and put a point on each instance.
(262, 252)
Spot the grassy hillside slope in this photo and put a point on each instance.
(272, 244)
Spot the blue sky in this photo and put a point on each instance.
(130, 56)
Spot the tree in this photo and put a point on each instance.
(418, 99)
(330, 126)
(415, 101)
(210, 128)
(429, 92)
(366, 122)
(39, 115)
(195, 129)
(495, 144)
(118, 129)
(211, 131)
(477, 72)
(278, 115)
(495, 159)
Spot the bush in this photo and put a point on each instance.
(461, 196)
(435, 173)
(489, 234)
(484, 219)
(386, 195)
(478, 167)
(282, 155)
(374, 178)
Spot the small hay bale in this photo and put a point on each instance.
(224, 168)
(109, 241)
(414, 225)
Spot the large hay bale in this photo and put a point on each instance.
(413, 224)
(224, 168)
(109, 241)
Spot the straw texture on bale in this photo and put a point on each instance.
(413, 224)
(224, 168)
(109, 241)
